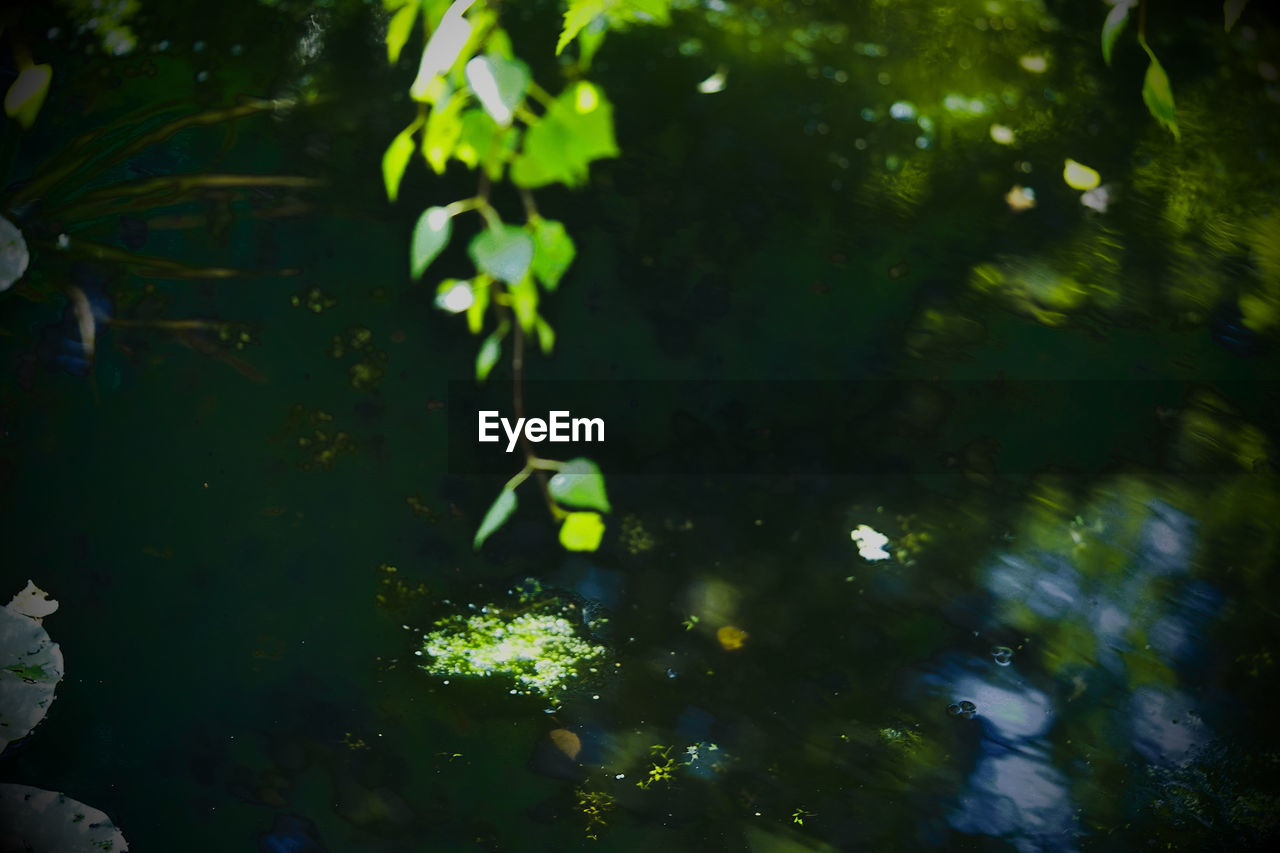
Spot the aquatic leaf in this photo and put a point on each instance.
(1231, 10)
(30, 665)
(553, 252)
(578, 15)
(504, 252)
(490, 352)
(579, 483)
(430, 236)
(1079, 176)
(582, 531)
(1157, 94)
(444, 129)
(496, 516)
(1113, 26)
(396, 159)
(499, 84)
(14, 255)
(35, 819)
(399, 29)
(25, 97)
(577, 129)
(546, 336)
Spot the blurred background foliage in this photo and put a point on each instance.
(1071, 641)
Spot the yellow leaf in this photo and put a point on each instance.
(1079, 176)
(582, 531)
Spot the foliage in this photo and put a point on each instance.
(540, 652)
(478, 105)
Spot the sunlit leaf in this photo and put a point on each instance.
(1157, 94)
(553, 252)
(582, 531)
(650, 11)
(578, 15)
(1079, 176)
(489, 353)
(589, 41)
(499, 84)
(395, 159)
(546, 336)
(25, 97)
(524, 302)
(399, 29)
(577, 129)
(455, 296)
(579, 483)
(1112, 28)
(481, 287)
(444, 129)
(442, 50)
(496, 516)
(504, 252)
(1231, 10)
(430, 236)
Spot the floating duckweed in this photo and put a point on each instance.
(539, 651)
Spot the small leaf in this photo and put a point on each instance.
(524, 302)
(577, 129)
(399, 29)
(490, 352)
(496, 516)
(430, 236)
(499, 85)
(444, 129)
(504, 252)
(582, 531)
(25, 97)
(1231, 10)
(546, 336)
(1157, 94)
(480, 289)
(578, 15)
(396, 159)
(579, 483)
(1079, 176)
(1113, 26)
(442, 51)
(553, 252)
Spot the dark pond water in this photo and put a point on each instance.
(944, 496)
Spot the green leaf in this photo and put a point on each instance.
(399, 29)
(1113, 26)
(481, 287)
(524, 302)
(1231, 10)
(553, 252)
(1157, 94)
(496, 516)
(577, 129)
(444, 129)
(25, 97)
(442, 50)
(582, 531)
(546, 336)
(504, 252)
(490, 352)
(430, 236)
(578, 15)
(650, 11)
(499, 84)
(396, 158)
(579, 483)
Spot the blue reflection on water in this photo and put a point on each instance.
(1151, 614)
